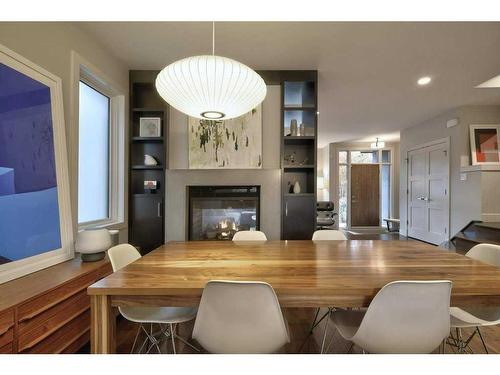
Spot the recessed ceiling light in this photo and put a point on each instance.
(424, 81)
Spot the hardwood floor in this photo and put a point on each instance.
(299, 320)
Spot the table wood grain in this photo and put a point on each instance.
(303, 274)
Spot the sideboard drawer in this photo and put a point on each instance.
(6, 331)
(64, 337)
(38, 305)
(34, 330)
(49, 311)
(6, 349)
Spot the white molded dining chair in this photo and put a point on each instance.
(124, 254)
(328, 235)
(325, 235)
(240, 317)
(249, 235)
(404, 317)
(476, 316)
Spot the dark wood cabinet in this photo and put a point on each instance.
(298, 216)
(146, 208)
(147, 213)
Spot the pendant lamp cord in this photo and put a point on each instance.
(213, 38)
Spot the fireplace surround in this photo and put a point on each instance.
(218, 212)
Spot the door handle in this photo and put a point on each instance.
(286, 208)
(159, 210)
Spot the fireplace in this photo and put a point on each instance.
(218, 212)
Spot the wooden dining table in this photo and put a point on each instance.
(303, 274)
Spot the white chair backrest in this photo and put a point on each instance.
(122, 255)
(240, 317)
(328, 235)
(486, 253)
(249, 235)
(406, 317)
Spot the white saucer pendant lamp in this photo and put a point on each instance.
(211, 87)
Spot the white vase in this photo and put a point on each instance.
(296, 187)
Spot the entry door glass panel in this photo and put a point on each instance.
(385, 194)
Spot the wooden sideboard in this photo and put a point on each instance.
(49, 311)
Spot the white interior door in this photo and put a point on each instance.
(428, 195)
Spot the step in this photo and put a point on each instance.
(491, 225)
(475, 239)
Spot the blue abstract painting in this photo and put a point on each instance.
(29, 208)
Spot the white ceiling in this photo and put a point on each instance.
(367, 71)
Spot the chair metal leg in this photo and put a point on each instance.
(314, 321)
(136, 336)
(325, 332)
(330, 342)
(142, 346)
(350, 348)
(442, 347)
(172, 335)
(152, 339)
(186, 342)
(482, 340)
(317, 322)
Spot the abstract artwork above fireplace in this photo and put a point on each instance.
(229, 144)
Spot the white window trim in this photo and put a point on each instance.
(84, 71)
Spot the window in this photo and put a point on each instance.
(93, 155)
(364, 157)
(343, 186)
(99, 123)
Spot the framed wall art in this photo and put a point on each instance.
(484, 141)
(229, 144)
(150, 127)
(35, 217)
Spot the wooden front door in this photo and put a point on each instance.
(365, 195)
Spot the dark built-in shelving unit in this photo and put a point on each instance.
(298, 101)
(146, 209)
(298, 211)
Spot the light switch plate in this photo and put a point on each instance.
(463, 176)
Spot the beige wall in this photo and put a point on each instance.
(465, 195)
(269, 177)
(49, 45)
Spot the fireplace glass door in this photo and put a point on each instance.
(217, 213)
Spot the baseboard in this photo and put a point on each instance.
(488, 218)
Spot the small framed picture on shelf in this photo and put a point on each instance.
(150, 186)
(150, 127)
(484, 141)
